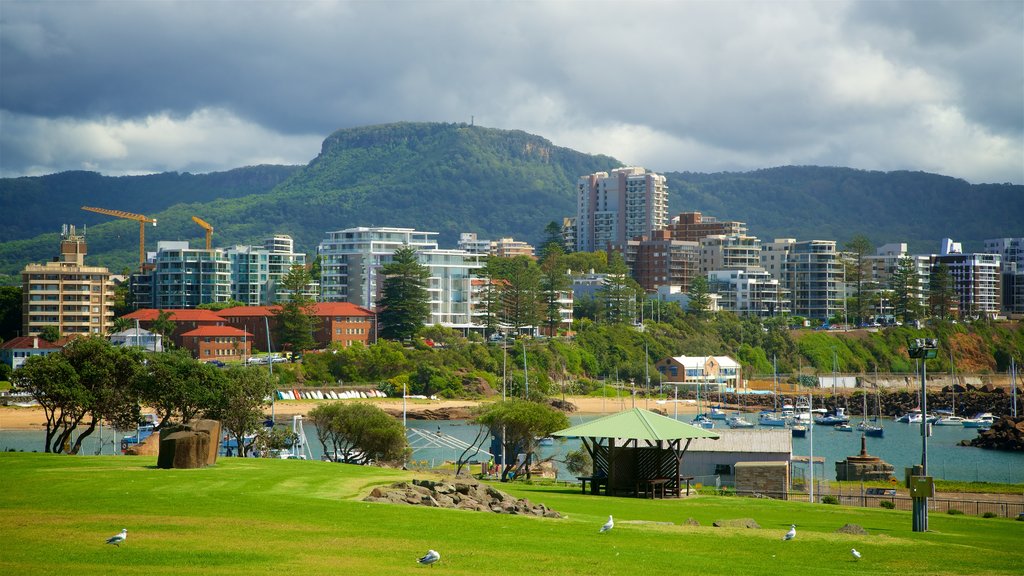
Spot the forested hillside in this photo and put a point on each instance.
(452, 178)
(813, 202)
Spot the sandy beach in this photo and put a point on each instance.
(33, 418)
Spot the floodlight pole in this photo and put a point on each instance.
(920, 484)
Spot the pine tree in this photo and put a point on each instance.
(296, 318)
(405, 302)
(904, 286)
(941, 296)
(700, 296)
(857, 273)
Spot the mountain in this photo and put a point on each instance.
(452, 178)
(814, 202)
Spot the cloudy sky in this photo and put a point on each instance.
(139, 87)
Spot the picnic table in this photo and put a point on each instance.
(595, 483)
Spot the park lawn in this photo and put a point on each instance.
(249, 516)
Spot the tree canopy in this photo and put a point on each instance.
(520, 423)
(359, 433)
(404, 303)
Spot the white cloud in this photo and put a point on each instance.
(208, 139)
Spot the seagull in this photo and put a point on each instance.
(856, 555)
(431, 557)
(608, 525)
(791, 534)
(116, 539)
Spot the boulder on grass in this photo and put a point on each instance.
(212, 428)
(183, 449)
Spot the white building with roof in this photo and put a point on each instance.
(351, 262)
(709, 372)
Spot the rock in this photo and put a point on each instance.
(185, 449)
(465, 496)
(211, 428)
(691, 522)
(736, 523)
(855, 529)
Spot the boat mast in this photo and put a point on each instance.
(775, 380)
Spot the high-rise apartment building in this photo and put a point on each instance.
(660, 260)
(738, 252)
(351, 260)
(612, 208)
(976, 279)
(883, 263)
(67, 294)
(693, 226)
(178, 276)
(750, 291)
(256, 271)
(503, 248)
(812, 272)
(1009, 250)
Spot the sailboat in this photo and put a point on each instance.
(701, 420)
(766, 418)
(950, 418)
(871, 429)
(839, 417)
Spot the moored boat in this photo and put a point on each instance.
(767, 418)
(702, 421)
(736, 421)
(980, 420)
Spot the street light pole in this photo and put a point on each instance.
(920, 483)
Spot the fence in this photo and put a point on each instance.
(824, 492)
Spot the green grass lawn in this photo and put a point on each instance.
(247, 516)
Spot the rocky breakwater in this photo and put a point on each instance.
(460, 494)
(1005, 434)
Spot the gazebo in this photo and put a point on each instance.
(636, 451)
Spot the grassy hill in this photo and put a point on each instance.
(452, 178)
(249, 516)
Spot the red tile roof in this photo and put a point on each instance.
(319, 309)
(216, 331)
(32, 343)
(340, 309)
(254, 311)
(177, 315)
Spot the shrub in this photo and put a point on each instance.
(954, 512)
(829, 500)
(989, 514)
(889, 504)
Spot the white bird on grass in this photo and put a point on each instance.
(431, 557)
(791, 534)
(116, 539)
(608, 525)
(856, 555)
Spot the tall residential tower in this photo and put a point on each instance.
(613, 208)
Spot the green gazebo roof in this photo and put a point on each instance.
(638, 424)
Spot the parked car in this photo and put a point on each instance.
(216, 363)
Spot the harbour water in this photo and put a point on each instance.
(901, 447)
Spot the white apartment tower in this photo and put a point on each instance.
(351, 260)
(612, 208)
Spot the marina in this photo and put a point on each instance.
(900, 446)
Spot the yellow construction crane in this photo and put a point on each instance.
(142, 220)
(207, 227)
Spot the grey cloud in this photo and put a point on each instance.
(733, 84)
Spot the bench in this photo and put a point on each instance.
(651, 487)
(880, 492)
(595, 483)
